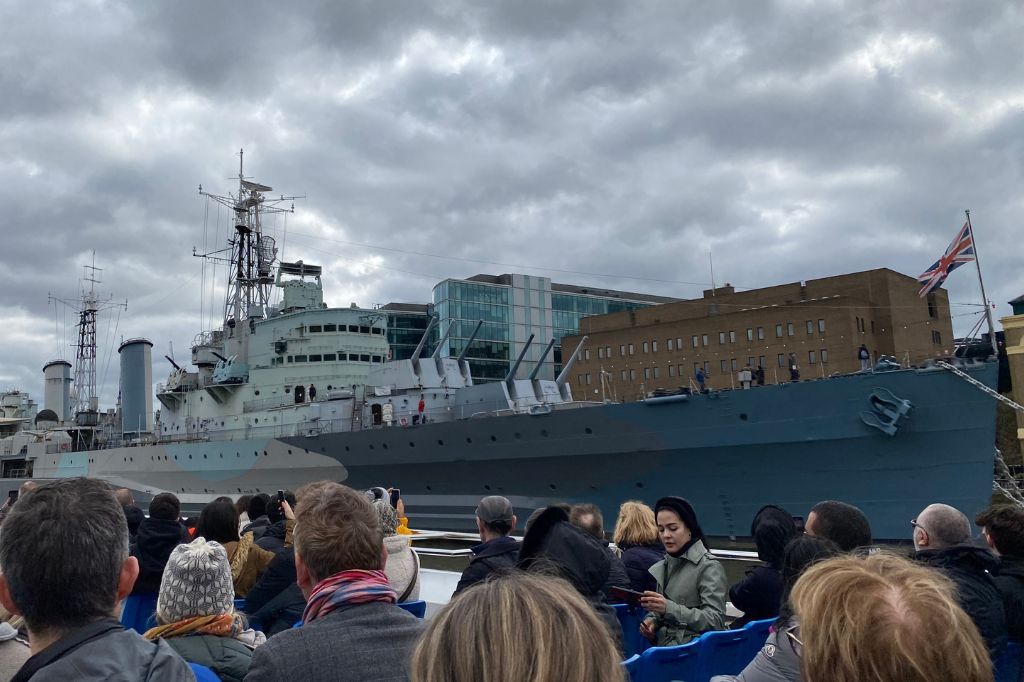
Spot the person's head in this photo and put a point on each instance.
(258, 506)
(635, 525)
(27, 487)
(841, 523)
(1002, 526)
(530, 623)
(884, 618)
(387, 517)
(495, 517)
(802, 552)
(218, 522)
(677, 523)
(124, 497)
(165, 506)
(242, 505)
(196, 582)
(588, 517)
(64, 556)
(772, 529)
(134, 517)
(275, 512)
(940, 526)
(535, 514)
(336, 529)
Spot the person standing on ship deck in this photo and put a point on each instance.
(864, 356)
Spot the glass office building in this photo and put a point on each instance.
(514, 307)
(406, 324)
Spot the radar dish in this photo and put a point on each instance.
(256, 187)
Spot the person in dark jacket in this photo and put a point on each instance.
(157, 537)
(589, 518)
(554, 545)
(636, 537)
(759, 594)
(67, 582)
(134, 517)
(1002, 526)
(258, 519)
(497, 552)
(352, 628)
(272, 539)
(276, 602)
(842, 523)
(941, 537)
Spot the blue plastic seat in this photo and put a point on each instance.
(416, 608)
(139, 612)
(1009, 667)
(759, 631)
(203, 674)
(630, 618)
(240, 605)
(670, 663)
(725, 652)
(632, 666)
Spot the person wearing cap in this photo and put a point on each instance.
(690, 598)
(497, 552)
(196, 615)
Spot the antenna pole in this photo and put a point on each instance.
(981, 282)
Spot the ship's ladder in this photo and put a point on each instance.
(979, 385)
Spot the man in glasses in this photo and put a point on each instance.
(942, 540)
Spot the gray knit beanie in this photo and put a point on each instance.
(196, 582)
(386, 514)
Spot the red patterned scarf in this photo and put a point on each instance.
(347, 587)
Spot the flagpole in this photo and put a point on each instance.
(981, 282)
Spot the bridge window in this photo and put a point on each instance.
(315, 328)
(330, 327)
(316, 358)
(300, 358)
(330, 357)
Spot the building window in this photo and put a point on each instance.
(608, 352)
(872, 326)
(696, 368)
(588, 380)
(810, 327)
(671, 370)
(750, 362)
(933, 310)
(778, 331)
(600, 353)
(824, 356)
(704, 340)
(696, 341)
(936, 337)
(630, 349)
(732, 364)
(654, 346)
(707, 367)
(812, 357)
(646, 347)
(821, 326)
(789, 329)
(622, 351)
(622, 375)
(782, 360)
(632, 375)
(760, 361)
(732, 337)
(679, 343)
(722, 366)
(586, 354)
(647, 372)
(668, 344)
(760, 333)
(721, 338)
(579, 379)
(750, 334)
(656, 372)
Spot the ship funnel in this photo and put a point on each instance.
(564, 376)
(543, 357)
(57, 395)
(423, 340)
(515, 367)
(469, 341)
(136, 386)
(440, 344)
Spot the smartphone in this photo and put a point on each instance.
(621, 594)
(280, 496)
(396, 494)
(12, 496)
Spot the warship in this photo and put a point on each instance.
(281, 395)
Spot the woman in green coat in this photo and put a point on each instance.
(691, 583)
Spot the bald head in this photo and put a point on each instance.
(124, 496)
(940, 526)
(26, 488)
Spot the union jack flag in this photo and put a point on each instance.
(960, 251)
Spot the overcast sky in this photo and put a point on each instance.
(594, 142)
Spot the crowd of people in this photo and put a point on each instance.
(336, 561)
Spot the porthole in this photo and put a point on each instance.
(639, 484)
(348, 449)
(440, 442)
(468, 439)
(371, 446)
(411, 444)
(588, 430)
(552, 486)
(743, 417)
(517, 435)
(487, 487)
(264, 453)
(429, 488)
(384, 445)
(544, 432)
(289, 452)
(494, 439)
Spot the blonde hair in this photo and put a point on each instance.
(635, 525)
(517, 628)
(336, 529)
(885, 619)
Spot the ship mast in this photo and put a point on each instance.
(251, 263)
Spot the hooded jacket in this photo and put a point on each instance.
(153, 545)
(276, 602)
(272, 539)
(105, 651)
(694, 588)
(1010, 582)
(759, 594)
(970, 568)
(638, 560)
(553, 544)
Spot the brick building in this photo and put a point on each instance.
(820, 324)
(1013, 330)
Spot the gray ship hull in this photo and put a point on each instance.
(729, 453)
